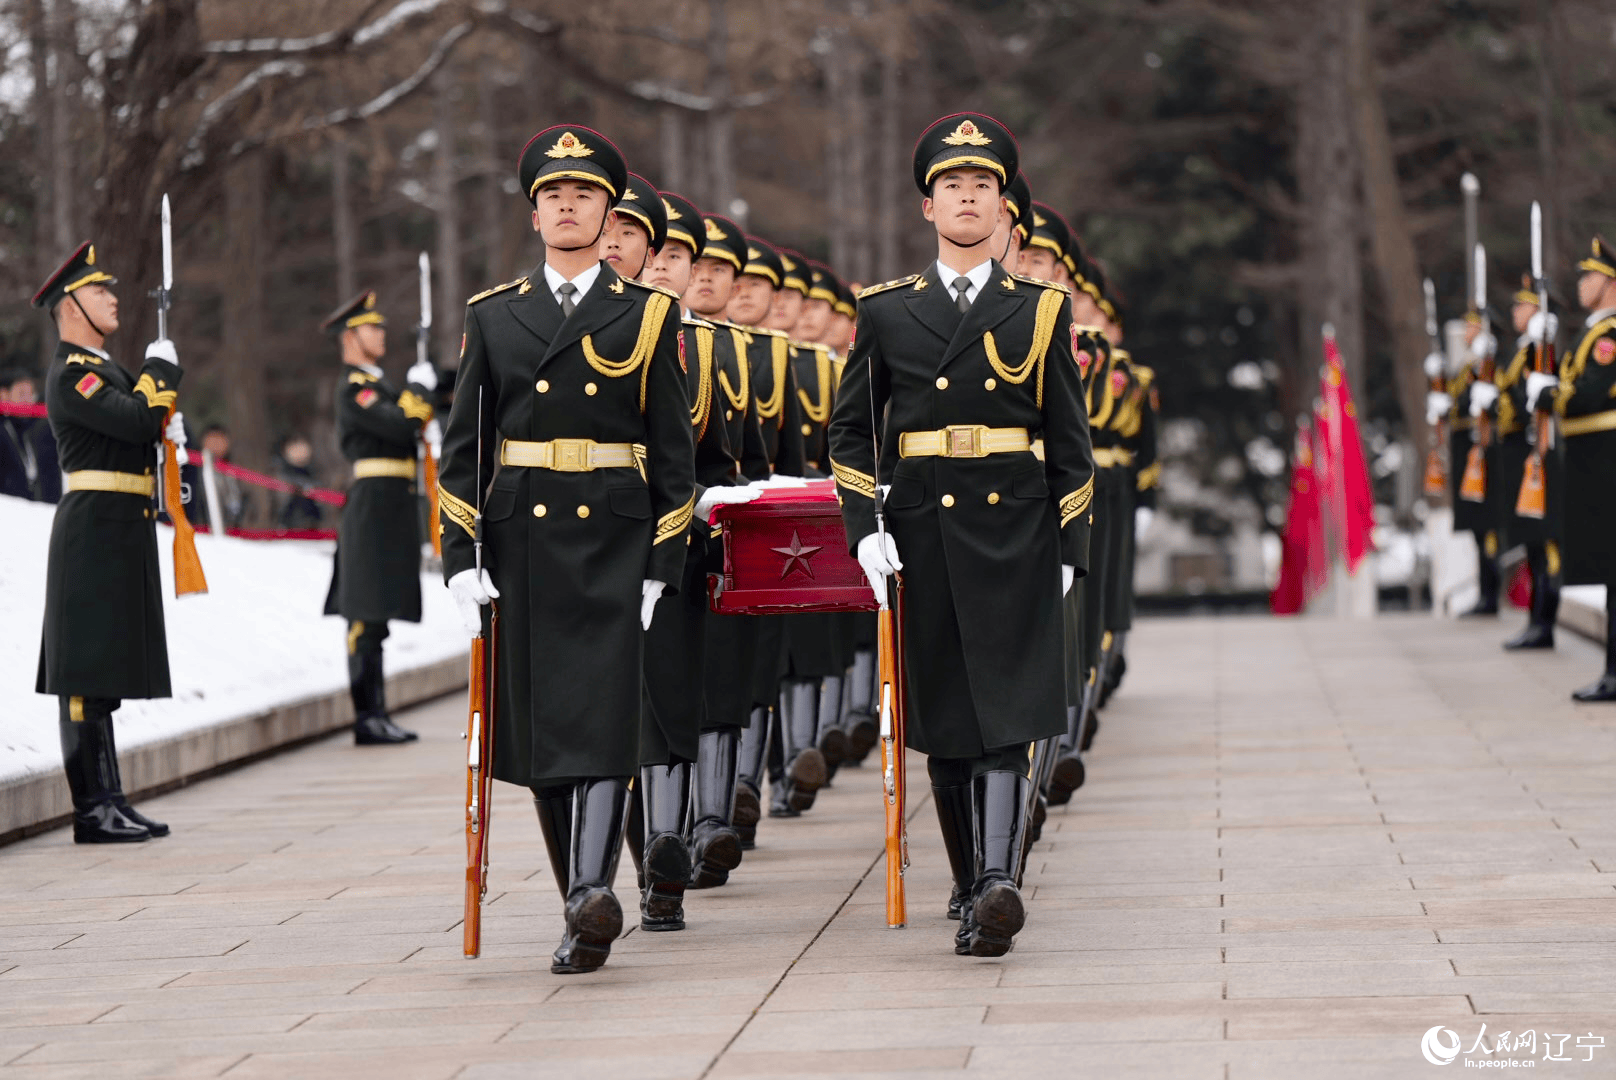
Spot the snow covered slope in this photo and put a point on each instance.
(256, 640)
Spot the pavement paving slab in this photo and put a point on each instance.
(1303, 845)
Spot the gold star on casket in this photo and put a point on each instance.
(797, 557)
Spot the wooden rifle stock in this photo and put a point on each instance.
(1473, 486)
(890, 701)
(1532, 500)
(1436, 466)
(482, 695)
(188, 576)
(429, 480)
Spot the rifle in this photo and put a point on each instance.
(1473, 487)
(429, 452)
(890, 702)
(188, 576)
(1436, 466)
(483, 698)
(1532, 501)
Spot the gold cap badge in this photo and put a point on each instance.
(673, 215)
(568, 146)
(967, 134)
(89, 256)
(714, 232)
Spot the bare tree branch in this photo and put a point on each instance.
(393, 95)
(358, 33)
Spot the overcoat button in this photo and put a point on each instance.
(942, 382)
(990, 384)
(583, 511)
(993, 498)
(540, 510)
(807, 429)
(948, 500)
(729, 414)
(590, 389)
(542, 386)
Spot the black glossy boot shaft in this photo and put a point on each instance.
(594, 917)
(666, 868)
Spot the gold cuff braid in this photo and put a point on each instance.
(857, 482)
(675, 523)
(1078, 501)
(414, 406)
(1149, 476)
(457, 510)
(146, 387)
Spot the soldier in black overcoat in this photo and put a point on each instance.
(969, 362)
(1472, 436)
(1583, 400)
(570, 439)
(104, 638)
(376, 576)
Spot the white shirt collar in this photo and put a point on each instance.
(586, 278)
(978, 275)
(370, 369)
(1602, 313)
(99, 352)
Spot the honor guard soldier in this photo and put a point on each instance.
(1474, 455)
(968, 362)
(103, 639)
(1517, 432)
(570, 386)
(377, 572)
(728, 805)
(1140, 439)
(1582, 399)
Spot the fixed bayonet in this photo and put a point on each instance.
(1431, 329)
(1471, 187)
(425, 327)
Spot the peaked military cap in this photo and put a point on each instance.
(725, 241)
(846, 299)
(794, 272)
(1107, 299)
(684, 222)
(763, 261)
(1050, 231)
(360, 311)
(1526, 294)
(571, 152)
(966, 140)
(642, 202)
(821, 283)
(1018, 198)
(1603, 259)
(78, 271)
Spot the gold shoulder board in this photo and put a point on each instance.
(83, 358)
(652, 288)
(1042, 283)
(885, 285)
(486, 293)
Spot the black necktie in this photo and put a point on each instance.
(567, 289)
(962, 285)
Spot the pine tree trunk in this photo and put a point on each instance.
(342, 220)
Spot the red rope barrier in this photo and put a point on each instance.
(274, 534)
(331, 498)
(17, 408)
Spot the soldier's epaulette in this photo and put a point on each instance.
(360, 377)
(1042, 283)
(697, 320)
(83, 358)
(1119, 353)
(1145, 376)
(813, 346)
(652, 288)
(885, 285)
(764, 330)
(486, 293)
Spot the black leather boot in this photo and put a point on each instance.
(1091, 711)
(832, 741)
(1539, 632)
(1605, 688)
(805, 771)
(954, 818)
(999, 811)
(1068, 773)
(554, 805)
(1488, 581)
(860, 724)
(90, 760)
(594, 917)
(715, 845)
(754, 745)
(666, 865)
(779, 789)
(372, 725)
(634, 834)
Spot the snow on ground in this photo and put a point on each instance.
(256, 640)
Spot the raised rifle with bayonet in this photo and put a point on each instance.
(1436, 459)
(482, 695)
(1473, 487)
(1532, 500)
(188, 576)
(429, 448)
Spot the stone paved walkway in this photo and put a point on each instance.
(1302, 845)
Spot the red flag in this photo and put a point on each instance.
(1352, 500)
(1305, 563)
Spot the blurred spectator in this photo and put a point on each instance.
(216, 441)
(29, 468)
(298, 511)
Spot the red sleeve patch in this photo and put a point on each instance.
(1119, 383)
(1605, 350)
(682, 365)
(366, 398)
(462, 346)
(1084, 359)
(88, 385)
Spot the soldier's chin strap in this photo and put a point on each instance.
(86, 315)
(595, 243)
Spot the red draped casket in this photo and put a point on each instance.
(785, 552)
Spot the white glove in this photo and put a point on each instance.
(1536, 383)
(423, 374)
(1483, 395)
(1143, 518)
(778, 481)
(162, 349)
(724, 496)
(880, 561)
(650, 593)
(1543, 326)
(1483, 345)
(1069, 574)
(432, 433)
(1435, 365)
(470, 594)
(175, 433)
(1437, 406)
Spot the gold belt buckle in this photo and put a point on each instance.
(964, 441)
(570, 455)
